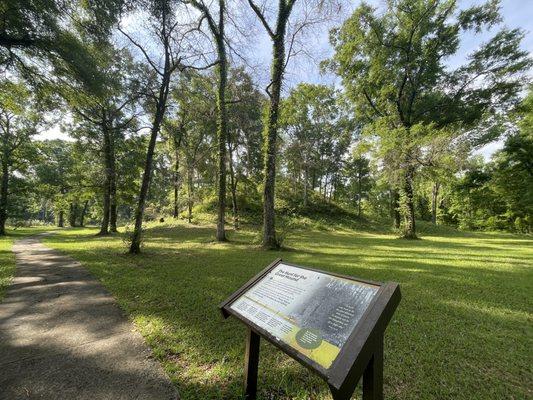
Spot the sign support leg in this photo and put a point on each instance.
(251, 365)
(373, 375)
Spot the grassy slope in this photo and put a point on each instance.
(463, 329)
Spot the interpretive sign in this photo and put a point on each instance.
(332, 324)
(310, 311)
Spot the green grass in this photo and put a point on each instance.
(463, 329)
(7, 263)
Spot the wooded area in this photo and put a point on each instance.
(167, 117)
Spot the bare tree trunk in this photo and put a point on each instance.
(73, 213)
(359, 195)
(410, 226)
(61, 219)
(434, 200)
(3, 194)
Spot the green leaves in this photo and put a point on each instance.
(476, 17)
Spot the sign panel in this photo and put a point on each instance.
(310, 311)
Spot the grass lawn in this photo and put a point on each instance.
(463, 329)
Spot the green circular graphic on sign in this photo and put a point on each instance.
(308, 338)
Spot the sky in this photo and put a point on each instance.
(515, 13)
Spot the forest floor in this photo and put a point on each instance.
(462, 331)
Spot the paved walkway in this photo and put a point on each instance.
(62, 336)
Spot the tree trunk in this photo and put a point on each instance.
(104, 226)
(222, 125)
(306, 183)
(409, 208)
(278, 64)
(233, 186)
(190, 189)
(136, 237)
(176, 182)
(84, 212)
(3, 195)
(395, 208)
(359, 195)
(73, 211)
(434, 200)
(61, 219)
(112, 185)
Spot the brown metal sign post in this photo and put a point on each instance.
(332, 324)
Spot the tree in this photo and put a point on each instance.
(64, 177)
(18, 123)
(244, 135)
(108, 114)
(171, 36)
(217, 29)
(393, 67)
(192, 126)
(443, 155)
(512, 177)
(35, 35)
(317, 131)
(277, 33)
(358, 171)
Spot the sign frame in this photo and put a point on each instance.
(360, 356)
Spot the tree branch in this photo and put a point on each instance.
(142, 50)
(261, 17)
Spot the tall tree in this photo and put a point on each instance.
(171, 37)
(217, 29)
(512, 177)
(244, 135)
(63, 172)
(312, 13)
(317, 131)
(277, 36)
(393, 66)
(18, 122)
(108, 113)
(358, 171)
(191, 130)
